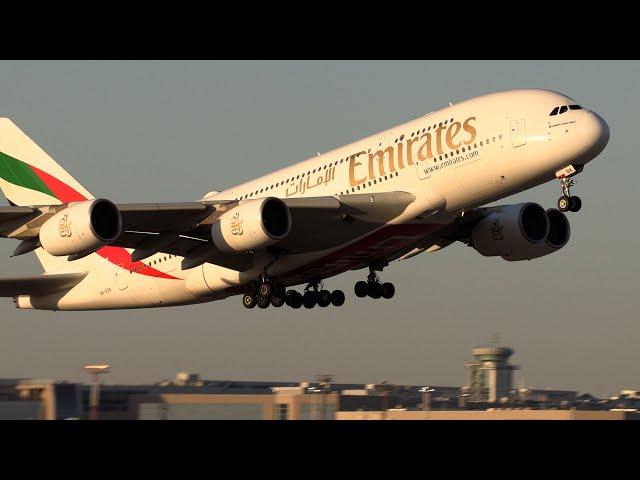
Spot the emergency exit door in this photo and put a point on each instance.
(518, 137)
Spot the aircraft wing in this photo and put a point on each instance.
(39, 285)
(183, 229)
(317, 223)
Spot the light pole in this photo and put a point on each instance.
(426, 397)
(386, 389)
(324, 382)
(94, 397)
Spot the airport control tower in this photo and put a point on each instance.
(491, 373)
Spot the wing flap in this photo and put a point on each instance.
(39, 285)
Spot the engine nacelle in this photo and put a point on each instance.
(82, 227)
(252, 225)
(558, 237)
(510, 231)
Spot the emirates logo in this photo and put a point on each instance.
(236, 225)
(496, 230)
(64, 227)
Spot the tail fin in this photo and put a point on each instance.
(28, 176)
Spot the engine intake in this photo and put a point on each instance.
(558, 237)
(252, 225)
(82, 227)
(521, 232)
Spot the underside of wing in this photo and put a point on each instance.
(319, 223)
(39, 285)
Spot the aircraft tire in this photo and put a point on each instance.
(564, 203)
(374, 289)
(309, 299)
(388, 290)
(361, 289)
(264, 289)
(575, 204)
(249, 301)
(263, 302)
(324, 298)
(337, 298)
(277, 300)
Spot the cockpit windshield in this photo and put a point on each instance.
(560, 110)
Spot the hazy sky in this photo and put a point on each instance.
(172, 131)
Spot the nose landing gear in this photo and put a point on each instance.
(566, 202)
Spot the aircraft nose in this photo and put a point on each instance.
(597, 133)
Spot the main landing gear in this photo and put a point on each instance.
(264, 292)
(566, 202)
(373, 288)
(314, 295)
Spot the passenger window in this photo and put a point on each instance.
(562, 109)
(554, 111)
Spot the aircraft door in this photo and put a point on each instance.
(121, 277)
(518, 137)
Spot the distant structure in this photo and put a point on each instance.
(188, 379)
(491, 373)
(94, 400)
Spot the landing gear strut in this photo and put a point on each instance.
(373, 288)
(566, 202)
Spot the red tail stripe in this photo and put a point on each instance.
(62, 191)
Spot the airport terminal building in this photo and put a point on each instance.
(490, 394)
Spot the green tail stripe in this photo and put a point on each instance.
(19, 173)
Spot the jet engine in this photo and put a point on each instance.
(521, 232)
(82, 227)
(558, 237)
(252, 225)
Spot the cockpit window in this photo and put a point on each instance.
(575, 107)
(554, 111)
(563, 109)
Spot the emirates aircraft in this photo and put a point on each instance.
(417, 187)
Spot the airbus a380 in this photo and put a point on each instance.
(417, 187)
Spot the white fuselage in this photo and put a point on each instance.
(452, 160)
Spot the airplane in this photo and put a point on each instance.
(414, 188)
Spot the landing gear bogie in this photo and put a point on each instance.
(372, 288)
